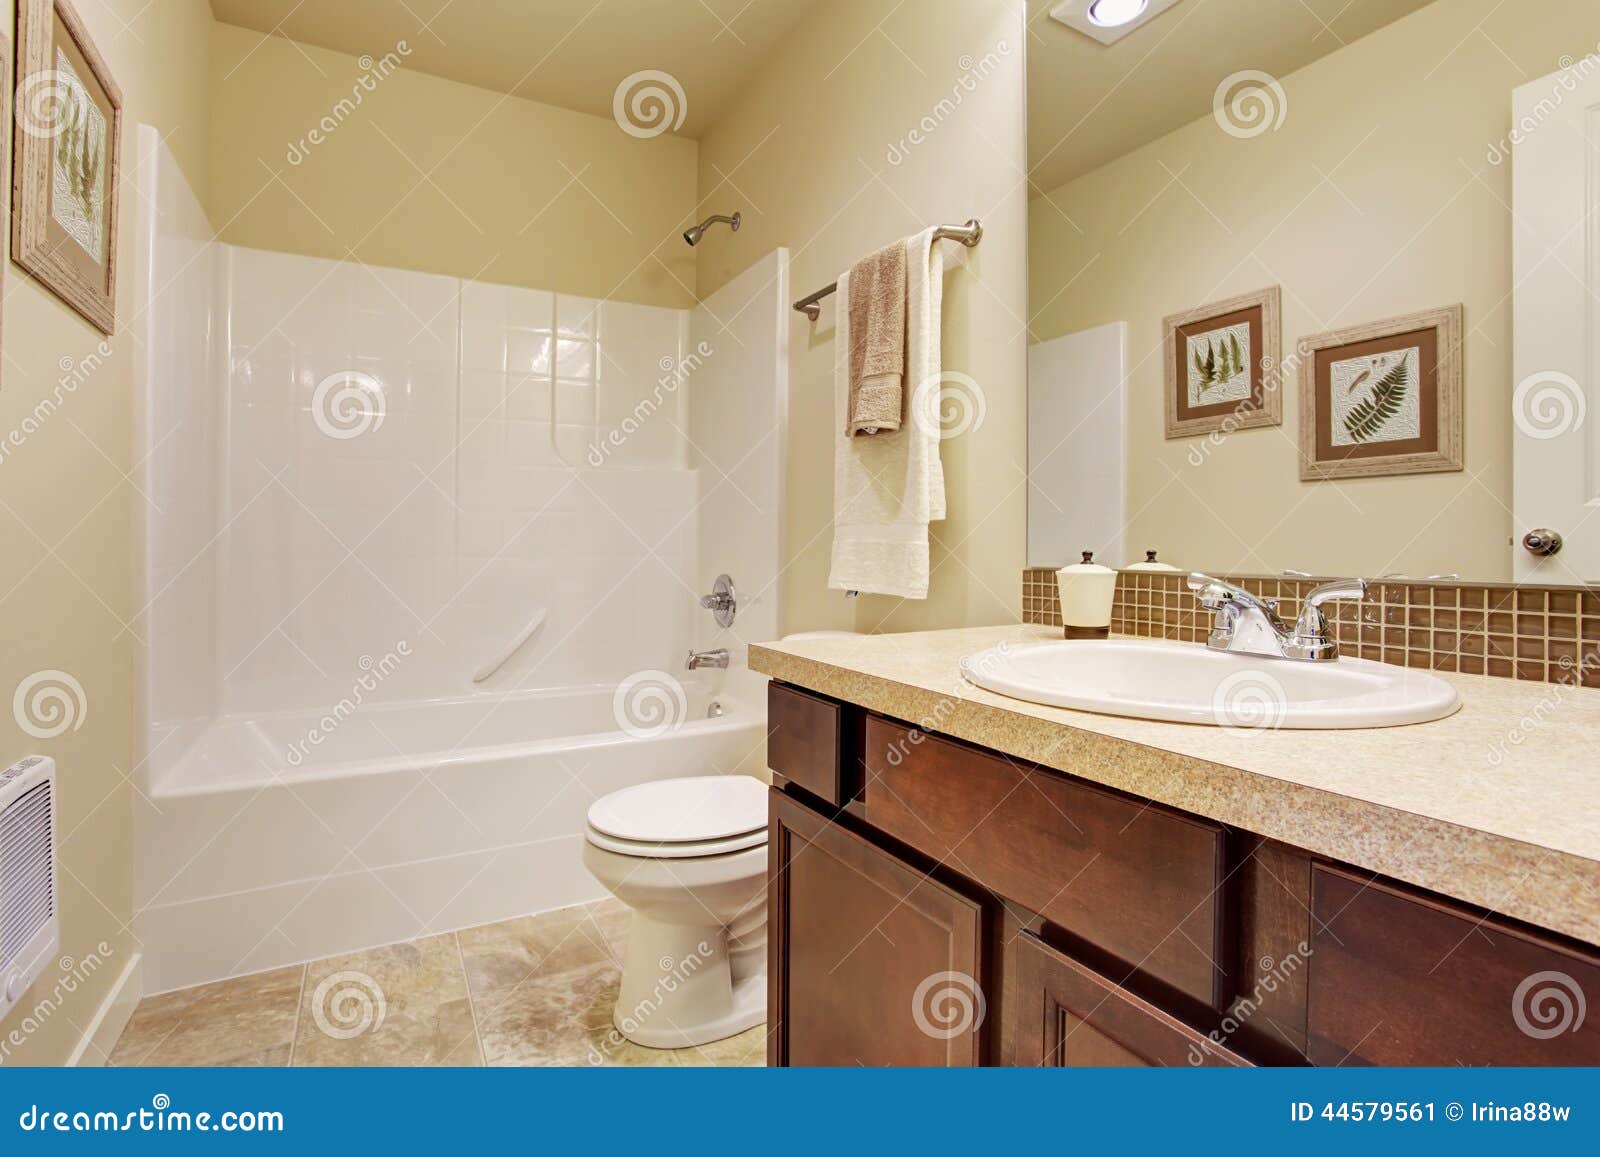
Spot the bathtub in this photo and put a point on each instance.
(288, 837)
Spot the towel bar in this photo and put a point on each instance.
(969, 235)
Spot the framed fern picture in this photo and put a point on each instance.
(1383, 398)
(66, 152)
(1222, 366)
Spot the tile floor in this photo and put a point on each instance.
(537, 990)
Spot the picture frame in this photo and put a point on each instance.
(1224, 365)
(66, 161)
(1384, 398)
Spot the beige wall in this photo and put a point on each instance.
(432, 175)
(805, 154)
(66, 517)
(1375, 198)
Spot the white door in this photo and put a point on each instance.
(1556, 414)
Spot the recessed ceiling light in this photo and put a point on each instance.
(1108, 21)
(1116, 13)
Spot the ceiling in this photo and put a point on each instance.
(568, 53)
(1089, 104)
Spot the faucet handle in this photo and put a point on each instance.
(1312, 625)
(1353, 589)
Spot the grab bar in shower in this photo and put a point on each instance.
(504, 657)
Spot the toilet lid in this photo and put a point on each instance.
(696, 810)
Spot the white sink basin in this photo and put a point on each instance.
(1190, 683)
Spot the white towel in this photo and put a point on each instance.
(887, 488)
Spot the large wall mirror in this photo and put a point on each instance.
(1315, 286)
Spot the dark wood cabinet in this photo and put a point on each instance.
(871, 961)
(805, 741)
(936, 903)
(1398, 978)
(1069, 1016)
(1060, 848)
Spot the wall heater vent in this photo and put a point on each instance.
(30, 931)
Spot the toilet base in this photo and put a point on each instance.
(686, 985)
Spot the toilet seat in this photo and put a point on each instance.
(684, 818)
(679, 851)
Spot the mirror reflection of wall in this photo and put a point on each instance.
(1359, 157)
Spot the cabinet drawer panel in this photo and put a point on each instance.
(1398, 978)
(873, 962)
(1071, 1016)
(805, 733)
(1135, 880)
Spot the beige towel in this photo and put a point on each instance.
(887, 488)
(877, 302)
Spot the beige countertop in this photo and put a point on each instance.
(1496, 805)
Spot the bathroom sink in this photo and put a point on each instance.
(1191, 683)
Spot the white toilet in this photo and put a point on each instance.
(689, 856)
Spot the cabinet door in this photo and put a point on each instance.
(1401, 978)
(1069, 1016)
(872, 962)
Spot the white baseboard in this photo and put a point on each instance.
(112, 1017)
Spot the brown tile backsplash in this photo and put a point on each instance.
(1546, 634)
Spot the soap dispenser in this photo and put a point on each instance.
(1087, 591)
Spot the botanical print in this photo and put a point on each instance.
(1219, 365)
(78, 185)
(1377, 399)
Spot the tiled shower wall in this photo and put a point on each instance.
(1549, 634)
(448, 505)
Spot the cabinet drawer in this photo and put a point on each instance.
(1068, 1015)
(804, 741)
(1398, 978)
(1134, 880)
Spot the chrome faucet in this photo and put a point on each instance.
(1247, 625)
(699, 659)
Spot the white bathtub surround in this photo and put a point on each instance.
(176, 511)
(381, 478)
(738, 401)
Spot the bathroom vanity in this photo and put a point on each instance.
(959, 878)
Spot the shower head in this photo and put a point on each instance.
(693, 236)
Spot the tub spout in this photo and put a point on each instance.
(699, 659)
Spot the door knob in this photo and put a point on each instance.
(1542, 542)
